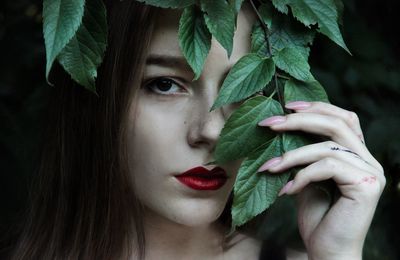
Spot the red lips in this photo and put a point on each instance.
(199, 178)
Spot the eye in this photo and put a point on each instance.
(164, 86)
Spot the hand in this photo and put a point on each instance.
(330, 231)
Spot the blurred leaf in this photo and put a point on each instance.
(236, 4)
(281, 6)
(169, 3)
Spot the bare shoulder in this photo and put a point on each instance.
(242, 246)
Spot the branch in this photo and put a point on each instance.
(266, 35)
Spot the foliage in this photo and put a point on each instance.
(83, 53)
(276, 55)
(248, 76)
(61, 21)
(367, 82)
(75, 34)
(195, 39)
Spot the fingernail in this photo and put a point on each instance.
(286, 188)
(298, 105)
(270, 163)
(274, 120)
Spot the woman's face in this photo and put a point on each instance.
(172, 130)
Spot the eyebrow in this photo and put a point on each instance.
(168, 61)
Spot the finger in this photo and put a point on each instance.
(349, 117)
(312, 204)
(330, 126)
(353, 183)
(359, 197)
(314, 152)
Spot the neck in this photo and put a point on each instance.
(166, 239)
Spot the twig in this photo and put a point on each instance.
(266, 35)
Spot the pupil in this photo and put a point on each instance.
(164, 85)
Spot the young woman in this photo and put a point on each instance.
(111, 187)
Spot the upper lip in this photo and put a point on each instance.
(201, 171)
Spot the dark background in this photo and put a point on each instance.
(367, 82)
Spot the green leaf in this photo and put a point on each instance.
(236, 4)
(340, 9)
(220, 19)
(266, 13)
(281, 6)
(291, 141)
(169, 3)
(293, 61)
(248, 76)
(306, 91)
(84, 52)
(194, 38)
(284, 33)
(287, 34)
(321, 12)
(241, 134)
(258, 42)
(61, 20)
(254, 192)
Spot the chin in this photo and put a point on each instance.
(192, 212)
(198, 219)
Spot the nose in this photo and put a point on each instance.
(206, 126)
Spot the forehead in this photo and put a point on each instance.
(165, 36)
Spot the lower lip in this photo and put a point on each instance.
(200, 183)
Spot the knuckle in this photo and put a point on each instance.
(329, 144)
(301, 175)
(337, 125)
(381, 170)
(352, 118)
(301, 172)
(373, 190)
(371, 187)
(329, 163)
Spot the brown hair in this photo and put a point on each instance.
(83, 204)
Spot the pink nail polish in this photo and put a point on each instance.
(270, 164)
(298, 105)
(286, 188)
(274, 120)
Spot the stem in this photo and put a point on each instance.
(282, 76)
(266, 35)
(264, 26)
(273, 93)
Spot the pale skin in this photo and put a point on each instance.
(171, 130)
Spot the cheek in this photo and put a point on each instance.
(158, 129)
(154, 139)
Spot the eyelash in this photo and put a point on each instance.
(151, 86)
